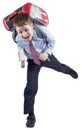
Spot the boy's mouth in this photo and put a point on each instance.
(28, 38)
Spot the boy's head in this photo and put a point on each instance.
(24, 26)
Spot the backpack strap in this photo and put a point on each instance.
(39, 33)
(14, 34)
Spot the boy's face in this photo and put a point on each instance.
(25, 32)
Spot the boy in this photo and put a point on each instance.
(27, 37)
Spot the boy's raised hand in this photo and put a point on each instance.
(43, 56)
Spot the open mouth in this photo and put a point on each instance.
(26, 37)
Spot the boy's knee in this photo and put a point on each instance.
(31, 89)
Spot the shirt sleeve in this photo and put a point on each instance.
(19, 42)
(50, 40)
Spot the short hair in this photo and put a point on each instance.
(22, 19)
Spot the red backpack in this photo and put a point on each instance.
(35, 12)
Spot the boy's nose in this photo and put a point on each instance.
(24, 34)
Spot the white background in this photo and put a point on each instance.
(58, 103)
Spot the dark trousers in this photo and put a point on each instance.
(32, 79)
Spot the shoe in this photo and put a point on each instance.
(30, 121)
(73, 74)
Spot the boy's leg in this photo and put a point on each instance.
(31, 86)
(53, 63)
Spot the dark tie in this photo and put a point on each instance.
(33, 53)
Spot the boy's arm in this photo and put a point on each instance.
(18, 41)
(50, 40)
(21, 55)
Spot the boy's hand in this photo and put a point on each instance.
(43, 56)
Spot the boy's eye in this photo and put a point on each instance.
(26, 30)
(20, 32)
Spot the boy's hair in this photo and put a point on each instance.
(22, 19)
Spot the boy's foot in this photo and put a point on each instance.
(73, 74)
(30, 121)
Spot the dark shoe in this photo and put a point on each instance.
(30, 121)
(73, 74)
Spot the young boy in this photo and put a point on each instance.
(27, 38)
